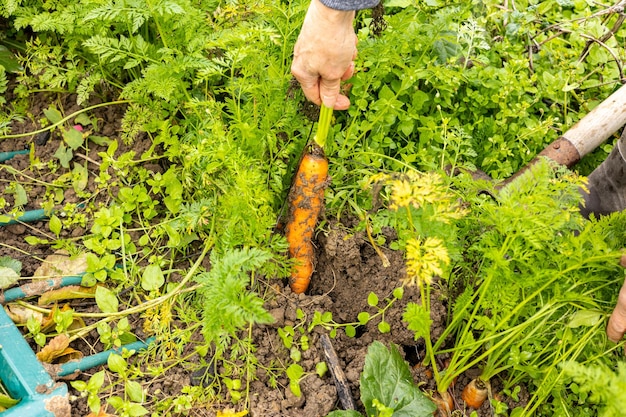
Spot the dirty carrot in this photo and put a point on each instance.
(305, 202)
(444, 402)
(475, 393)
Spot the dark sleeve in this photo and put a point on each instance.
(349, 4)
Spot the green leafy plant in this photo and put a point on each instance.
(387, 387)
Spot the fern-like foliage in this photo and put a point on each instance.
(228, 303)
(8, 7)
(132, 51)
(604, 386)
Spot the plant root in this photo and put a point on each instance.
(445, 403)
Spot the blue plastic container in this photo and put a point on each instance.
(25, 379)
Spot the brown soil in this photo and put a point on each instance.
(348, 269)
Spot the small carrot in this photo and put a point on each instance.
(444, 402)
(475, 393)
(305, 202)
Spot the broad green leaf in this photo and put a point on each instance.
(8, 277)
(6, 401)
(152, 278)
(55, 225)
(321, 368)
(94, 404)
(82, 119)
(73, 138)
(53, 115)
(344, 413)
(372, 299)
(386, 377)
(80, 177)
(363, 317)
(106, 300)
(134, 391)
(96, 381)
(398, 293)
(8, 262)
(116, 363)
(585, 318)
(116, 401)
(100, 140)
(135, 410)
(20, 196)
(294, 373)
(384, 327)
(64, 155)
(79, 385)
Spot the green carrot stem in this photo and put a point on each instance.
(323, 125)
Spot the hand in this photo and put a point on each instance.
(324, 54)
(617, 322)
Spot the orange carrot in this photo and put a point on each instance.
(444, 402)
(475, 393)
(305, 201)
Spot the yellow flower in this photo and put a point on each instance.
(418, 189)
(401, 194)
(424, 260)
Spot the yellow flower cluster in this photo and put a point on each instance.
(425, 259)
(419, 189)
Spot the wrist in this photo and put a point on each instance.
(330, 15)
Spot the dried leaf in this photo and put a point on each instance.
(66, 293)
(20, 315)
(61, 264)
(55, 347)
(68, 354)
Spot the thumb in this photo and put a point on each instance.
(329, 91)
(617, 322)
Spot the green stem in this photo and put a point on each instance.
(425, 295)
(323, 126)
(65, 119)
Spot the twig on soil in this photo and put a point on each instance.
(23, 252)
(343, 391)
(88, 159)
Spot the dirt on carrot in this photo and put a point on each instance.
(305, 201)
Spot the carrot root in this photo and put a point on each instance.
(305, 201)
(475, 393)
(445, 403)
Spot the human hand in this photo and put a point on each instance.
(324, 54)
(617, 322)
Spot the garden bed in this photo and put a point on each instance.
(348, 270)
(161, 155)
